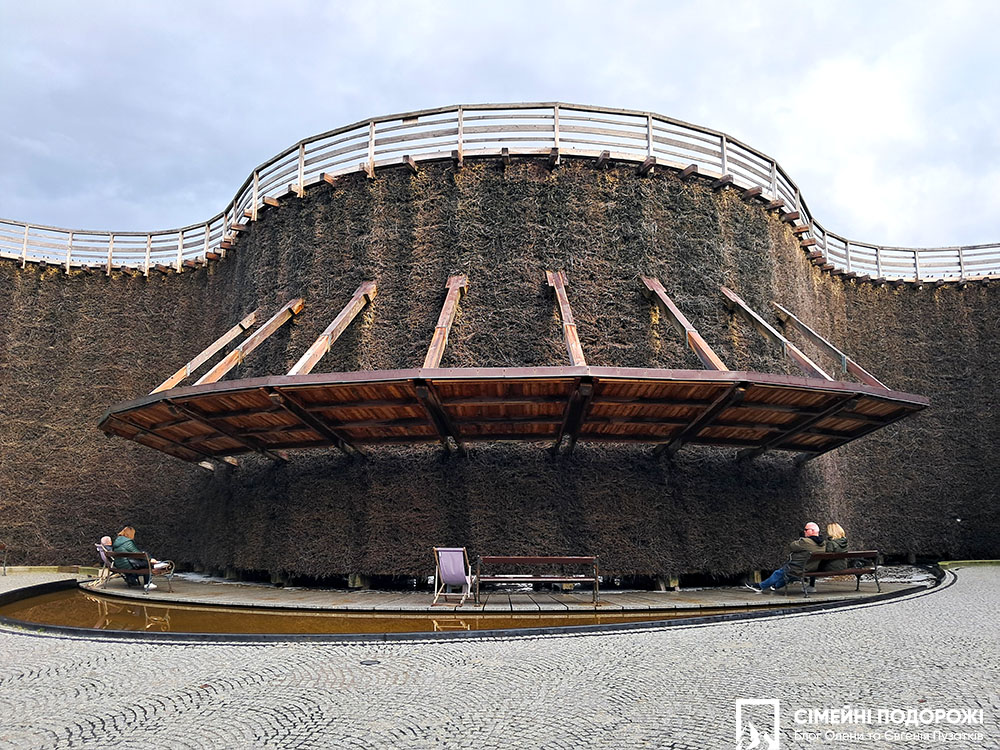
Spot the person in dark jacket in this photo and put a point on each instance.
(125, 542)
(798, 563)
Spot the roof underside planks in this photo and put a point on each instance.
(623, 405)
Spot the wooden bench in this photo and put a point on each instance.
(146, 569)
(530, 561)
(865, 569)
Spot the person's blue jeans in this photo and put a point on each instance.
(777, 579)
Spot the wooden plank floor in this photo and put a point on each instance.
(201, 591)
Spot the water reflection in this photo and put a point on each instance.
(83, 609)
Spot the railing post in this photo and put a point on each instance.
(774, 180)
(878, 262)
(301, 187)
(208, 227)
(69, 250)
(649, 134)
(798, 201)
(555, 128)
(111, 252)
(149, 247)
(461, 131)
(916, 266)
(225, 228)
(725, 156)
(256, 194)
(961, 262)
(180, 251)
(24, 247)
(847, 254)
(371, 149)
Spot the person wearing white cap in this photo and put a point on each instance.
(798, 563)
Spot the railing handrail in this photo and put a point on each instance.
(525, 128)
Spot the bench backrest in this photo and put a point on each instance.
(143, 556)
(871, 554)
(529, 560)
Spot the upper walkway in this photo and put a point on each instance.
(549, 130)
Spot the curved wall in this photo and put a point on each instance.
(71, 345)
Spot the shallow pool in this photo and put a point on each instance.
(82, 609)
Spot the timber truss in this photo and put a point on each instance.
(756, 412)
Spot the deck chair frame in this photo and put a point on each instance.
(440, 586)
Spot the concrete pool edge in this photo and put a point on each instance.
(35, 629)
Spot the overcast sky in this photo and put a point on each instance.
(141, 115)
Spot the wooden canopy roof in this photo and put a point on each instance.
(214, 420)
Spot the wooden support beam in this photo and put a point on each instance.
(505, 156)
(286, 400)
(602, 159)
(658, 295)
(410, 163)
(456, 286)
(751, 193)
(212, 256)
(774, 205)
(726, 179)
(273, 202)
(159, 267)
(689, 171)
(768, 331)
(790, 217)
(847, 365)
(553, 158)
(808, 242)
(574, 415)
(429, 399)
(801, 425)
(244, 325)
(237, 355)
(724, 400)
(362, 296)
(801, 229)
(557, 280)
(238, 227)
(156, 436)
(214, 423)
(647, 166)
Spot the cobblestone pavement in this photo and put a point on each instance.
(672, 688)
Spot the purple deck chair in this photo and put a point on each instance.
(453, 569)
(107, 572)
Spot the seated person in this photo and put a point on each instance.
(106, 542)
(836, 541)
(125, 543)
(798, 563)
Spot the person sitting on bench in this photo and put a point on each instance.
(125, 543)
(798, 563)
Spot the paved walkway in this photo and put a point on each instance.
(672, 688)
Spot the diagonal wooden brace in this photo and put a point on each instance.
(244, 325)
(237, 355)
(362, 296)
(557, 280)
(456, 286)
(698, 345)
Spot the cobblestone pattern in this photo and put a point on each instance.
(672, 688)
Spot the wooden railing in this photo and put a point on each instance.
(486, 130)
